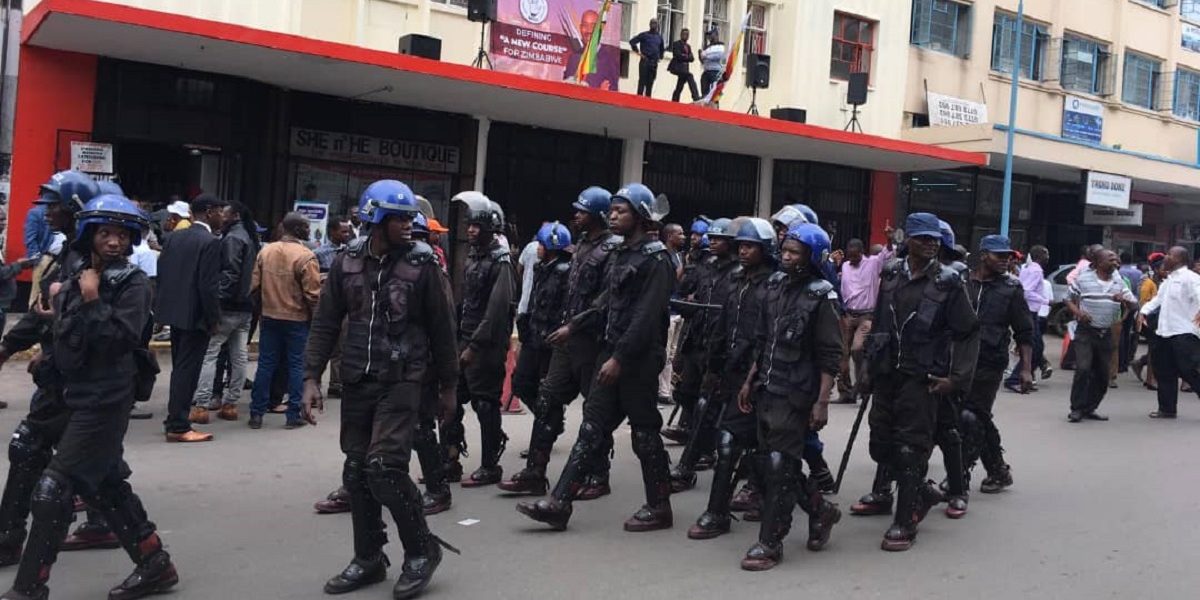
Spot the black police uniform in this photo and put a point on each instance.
(399, 326)
(546, 300)
(485, 325)
(924, 326)
(799, 339)
(572, 366)
(96, 359)
(732, 357)
(699, 275)
(1000, 304)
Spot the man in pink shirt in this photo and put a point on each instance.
(860, 288)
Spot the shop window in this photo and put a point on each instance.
(756, 29)
(1142, 77)
(1187, 94)
(671, 19)
(941, 25)
(853, 45)
(716, 16)
(1087, 66)
(1034, 41)
(1190, 9)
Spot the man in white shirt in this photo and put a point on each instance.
(1178, 306)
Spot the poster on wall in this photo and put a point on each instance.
(1191, 37)
(317, 214)
(547, 39)
(1083, 120)
(91, 157)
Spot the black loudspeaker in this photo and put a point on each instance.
(856, 92)
(796, 115)
(758, 71)
(481, 11)
(423, 46)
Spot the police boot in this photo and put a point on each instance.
(879, 501)
(437, 497)
(656, 478)
(370, 564)
(338, 501)
(556, 510)
(422, 550)
(781, 474)
(822, 514)
(492, 442)
(52, 507)
(596, 485)
(532, 479)
(821, 475)
(153, 574)
(716, 519)
(903, 532)
(93, 533)
(997, 480)
(956, 487)
(454, 446)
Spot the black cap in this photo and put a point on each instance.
(204, 202)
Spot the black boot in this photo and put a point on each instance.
(996, 481)
(422, 550)
(437, 497)
(903, 532)
(153, 574)
(366, 517)
(956, 486)
(358, 574)
(822, 514)
(28, 455)
(123, 510)
(656, 478)
(879, 501)
(492, 443)
(820, 472)
(781, 474)
(556, 511)
(532, 479)
(716, 519)
(52, 505)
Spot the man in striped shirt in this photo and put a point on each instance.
(1095, 299)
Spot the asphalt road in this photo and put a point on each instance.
(1099, 510)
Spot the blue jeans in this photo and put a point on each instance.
(279, 341)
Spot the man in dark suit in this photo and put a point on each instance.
(187, 303)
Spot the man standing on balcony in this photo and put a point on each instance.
(648, 45)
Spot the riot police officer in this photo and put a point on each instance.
(999, 300)
(398, 311)
(489, 300)
(799, 353)
(924, 346)
(32, 444)
(638, 282)
(730, 361)
(698, 382)
(102, 320)
(698, 275)
(575, 346)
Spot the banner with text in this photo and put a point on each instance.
(948, 111)
(364, 149)
(546, 39)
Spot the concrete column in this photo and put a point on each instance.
(633, 157)
(481, 147)
(766, 183)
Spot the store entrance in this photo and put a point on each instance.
(158, 173)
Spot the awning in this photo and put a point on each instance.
(305, 64)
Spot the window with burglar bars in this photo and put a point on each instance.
(1141, 80)
(671, 19)
(941, 25)
(1087, 66)
(716, 16)
(627, 18)
(756, 29)
(1190, 9)
(1034, 43)
(853, 45)
(1187, 95)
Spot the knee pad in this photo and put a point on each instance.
(391, 486)
(354, 476)
(424, 435)
(949, 437)
(483, 406)
(453, 433)
(909, 457)
(968, 420)
(726, 444)
(53, 498)
(27, 448)
(882, 453)
(647, 442)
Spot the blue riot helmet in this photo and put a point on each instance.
(701, 225)
(815, 238)
(554, 236)
(810, 215)
(108, 209)
(72, 189)
(385, 198)
(595, 201)
(110, 187)
(643, 201)
(420, 227)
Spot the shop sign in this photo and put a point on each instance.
(364, 149)
(1191, 37)
(1106, 215)
(547, 39)
(1106, 189)
(948, 111)
(91, 157)
(1083, 120)
(317, 214)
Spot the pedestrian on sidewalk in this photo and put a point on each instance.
(1095, 299)
(1178, 352)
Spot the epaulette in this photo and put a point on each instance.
(893, 267)
(420, 253)
(948, 278)
(115, 275)
(653, 248)
(357, 247)
(1010, 281)
(777, 278)
(501, 254)
(819, 288)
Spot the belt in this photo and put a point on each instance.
(860, 313)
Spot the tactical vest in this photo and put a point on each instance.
(385, 334)
(713, 286)
(787, 366)
(586, 278)
(918, 343)
(479, 277)
(625, 287)
(991, 302)
(546, 303)
(743, 308)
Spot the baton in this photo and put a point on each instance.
(837, 484)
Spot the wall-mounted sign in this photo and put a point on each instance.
(1106, 215)
(1083, 120)
(317, 214)
(92, 157)
(948, 111)
(547, 39)
(364, 149)
(1106, 189)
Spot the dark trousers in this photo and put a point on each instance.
(1173, 358)
(379, 420)
(532, 365)
(1093, 355)
(983, 437)
(903, 413)
(690, 369)
(682, 80)
(1038, 354)
(707, 80)
(647, 72)
(188, 347)
(92, 449)
(280, 343)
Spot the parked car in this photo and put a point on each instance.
(1059, 315)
